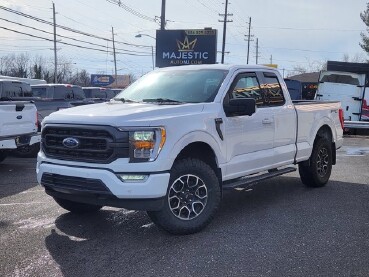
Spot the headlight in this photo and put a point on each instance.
(145, 144)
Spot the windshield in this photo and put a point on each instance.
(189, 86)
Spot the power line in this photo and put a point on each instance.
(75, 39)
(308, 29)
(67, 28)
(303, 50)
(70, 44)
(132, 11)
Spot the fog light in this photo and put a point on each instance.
(131, 178)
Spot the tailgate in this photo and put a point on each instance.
(17, 118)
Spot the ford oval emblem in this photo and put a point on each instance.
(71, 142)
(19, 117)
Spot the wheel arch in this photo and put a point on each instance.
(325, 131)
(204, 152)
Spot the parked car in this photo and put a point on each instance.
(48, 98)
(116, 91)
(18, 126)
(98, 94)
(25, 80)
(176, 138)
(349, 88)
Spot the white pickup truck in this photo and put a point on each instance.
(175, 139)
(18, 126)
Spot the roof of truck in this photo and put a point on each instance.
(55, 85)
(217, 66)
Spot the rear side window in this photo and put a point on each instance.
(14, 89)
(87, 92)
(78, 93)
(247, 86)
(39, 92)
(273, 93)
(340, 79)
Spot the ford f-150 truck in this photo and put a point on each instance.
(174, 140)
(18, 126)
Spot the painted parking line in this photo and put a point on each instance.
(27, 203)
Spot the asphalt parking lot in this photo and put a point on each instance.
(277, 228)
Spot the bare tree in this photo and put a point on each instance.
(311, 66)
(357, 58)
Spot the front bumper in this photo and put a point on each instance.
(102, 186)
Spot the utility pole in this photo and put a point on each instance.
(225, 20)
(55, 57)
(162, 17)
(249, 40)
(257, 50)
(115, 60)
(152, 57)
(271, 59)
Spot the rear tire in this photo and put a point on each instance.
(75, 207)
(318, 171)
(192, 199)
(2, 156)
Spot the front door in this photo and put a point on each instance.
(249, 139)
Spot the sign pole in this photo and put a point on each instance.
(115, 60)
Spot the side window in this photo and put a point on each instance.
(247, 86)
(273, 93)
(78, 93)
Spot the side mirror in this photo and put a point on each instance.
(240, 106)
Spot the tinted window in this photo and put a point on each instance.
(39, 92)
(110, 94)
(247, 86)
(11, 90)
(62, 92)
(88, 92)
(78, 93)
(273, 93)
(340, 79)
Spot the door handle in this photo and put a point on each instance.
(267, 121)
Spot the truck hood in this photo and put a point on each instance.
(122, 114)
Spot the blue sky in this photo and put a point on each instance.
(290, 32)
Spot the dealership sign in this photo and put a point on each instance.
(185, 47)
(118, 81)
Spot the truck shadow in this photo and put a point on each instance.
(15, 175)
(265, 221)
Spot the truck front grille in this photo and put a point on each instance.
(92, 144)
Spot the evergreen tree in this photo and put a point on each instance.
(365, 39)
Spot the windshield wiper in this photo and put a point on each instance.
(163, 101)
(125, 100)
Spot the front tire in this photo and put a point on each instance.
(75, 207)
(192, 199)
(318, 171)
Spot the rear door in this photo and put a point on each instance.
(284, 119)
(17, 118)
(345, 87)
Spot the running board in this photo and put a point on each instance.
(245, 182)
